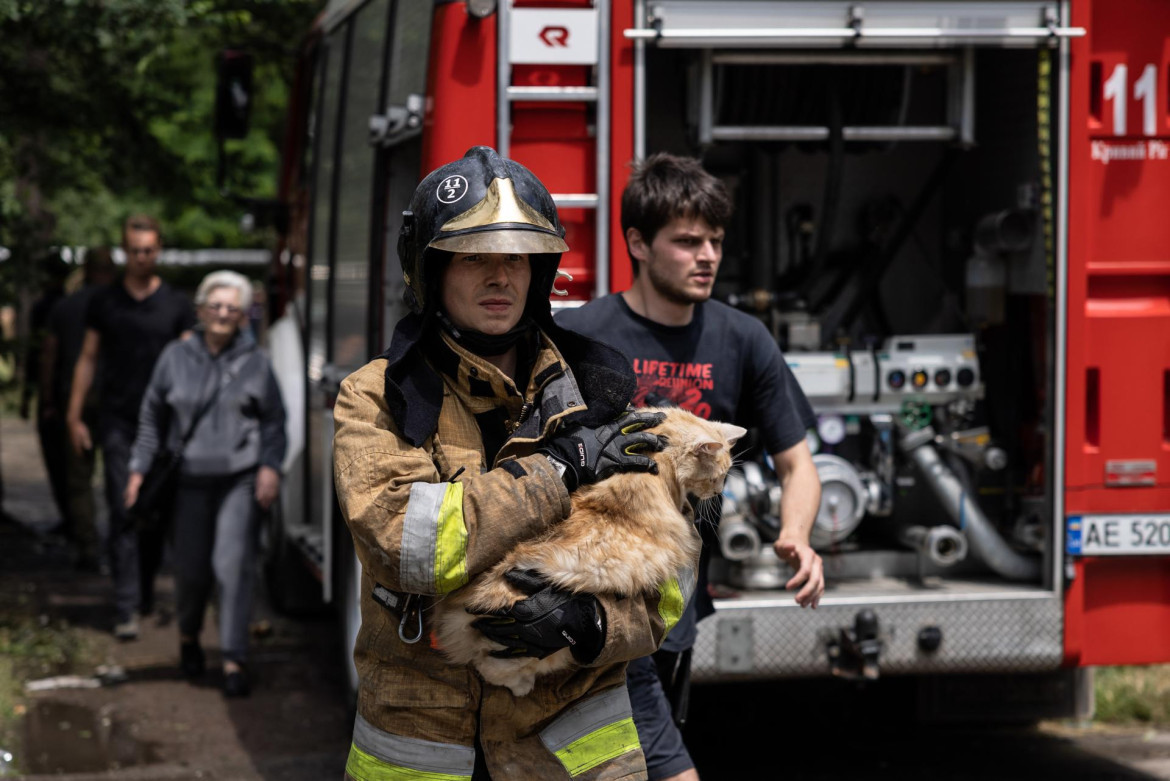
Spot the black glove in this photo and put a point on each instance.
(653, 399)
(548, 620)
(592, 454)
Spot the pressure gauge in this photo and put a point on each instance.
(831, 429)
(843, 500)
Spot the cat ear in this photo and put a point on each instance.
(707, 445)
(732, 433)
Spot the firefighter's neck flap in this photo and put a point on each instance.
(487, 345)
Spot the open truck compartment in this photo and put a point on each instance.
(895, 229)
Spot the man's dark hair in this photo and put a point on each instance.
(140, 222)
(99, 265)
(664, 187)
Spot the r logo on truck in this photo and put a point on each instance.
(555, 36)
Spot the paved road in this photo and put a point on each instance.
(822, 730)
(296, 725)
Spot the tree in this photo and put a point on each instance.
(106, 108)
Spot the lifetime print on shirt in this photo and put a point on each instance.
(682, 384)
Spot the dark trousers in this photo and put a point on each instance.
(52, 434)
(82, 512)
(134, 557)
(217, 529)
(661, 739)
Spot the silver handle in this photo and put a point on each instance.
(819, 133)
(679, 37)
(554, 94)
(398, 124)
(575, 200)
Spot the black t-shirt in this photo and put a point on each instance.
(133, 334)
(67, 323)
(723, 365)
(37, 322)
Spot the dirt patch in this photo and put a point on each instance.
(154, 723)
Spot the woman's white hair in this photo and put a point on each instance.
(216, 279)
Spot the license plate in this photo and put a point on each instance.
(1118, 535)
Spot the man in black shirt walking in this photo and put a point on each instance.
(50, 427)
(59, 353)
(127, 324)
(718, 363)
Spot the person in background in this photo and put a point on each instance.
(230, 466)
(50, 425)
(127, 325)
(59, 352)
(673, 217)
(258, 312)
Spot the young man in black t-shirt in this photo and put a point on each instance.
(128, 323)
(718, 363)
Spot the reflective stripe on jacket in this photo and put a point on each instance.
(427, 520)
(674, 595)
(595, 734)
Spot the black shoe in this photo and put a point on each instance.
(235, 684)
(191, 659)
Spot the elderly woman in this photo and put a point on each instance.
(230, 465)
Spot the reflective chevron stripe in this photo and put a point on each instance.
(434, 539)
(593, 732)
(674, 595)
(379, 756)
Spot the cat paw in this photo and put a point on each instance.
(511, 674)
(522, 688)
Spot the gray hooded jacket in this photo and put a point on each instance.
(242, 430)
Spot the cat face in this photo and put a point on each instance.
(700, 450)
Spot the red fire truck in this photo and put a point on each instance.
(947, 213)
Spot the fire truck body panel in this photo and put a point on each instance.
(1118, 448)
(943, 121)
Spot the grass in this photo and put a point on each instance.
(1133, 695)
(9, 393)
(33, 646)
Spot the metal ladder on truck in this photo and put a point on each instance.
(507, 94)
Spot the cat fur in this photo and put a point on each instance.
(627, 534)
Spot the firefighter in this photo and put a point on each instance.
(453, 446)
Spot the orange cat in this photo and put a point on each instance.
(628, 534)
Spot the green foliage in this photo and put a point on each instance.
(42, 648)
(106, 109)
(1128, 695)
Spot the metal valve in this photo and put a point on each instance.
(854, 653)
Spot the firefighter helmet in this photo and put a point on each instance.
(479, 203)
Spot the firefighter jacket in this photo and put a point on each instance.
(429, 511)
